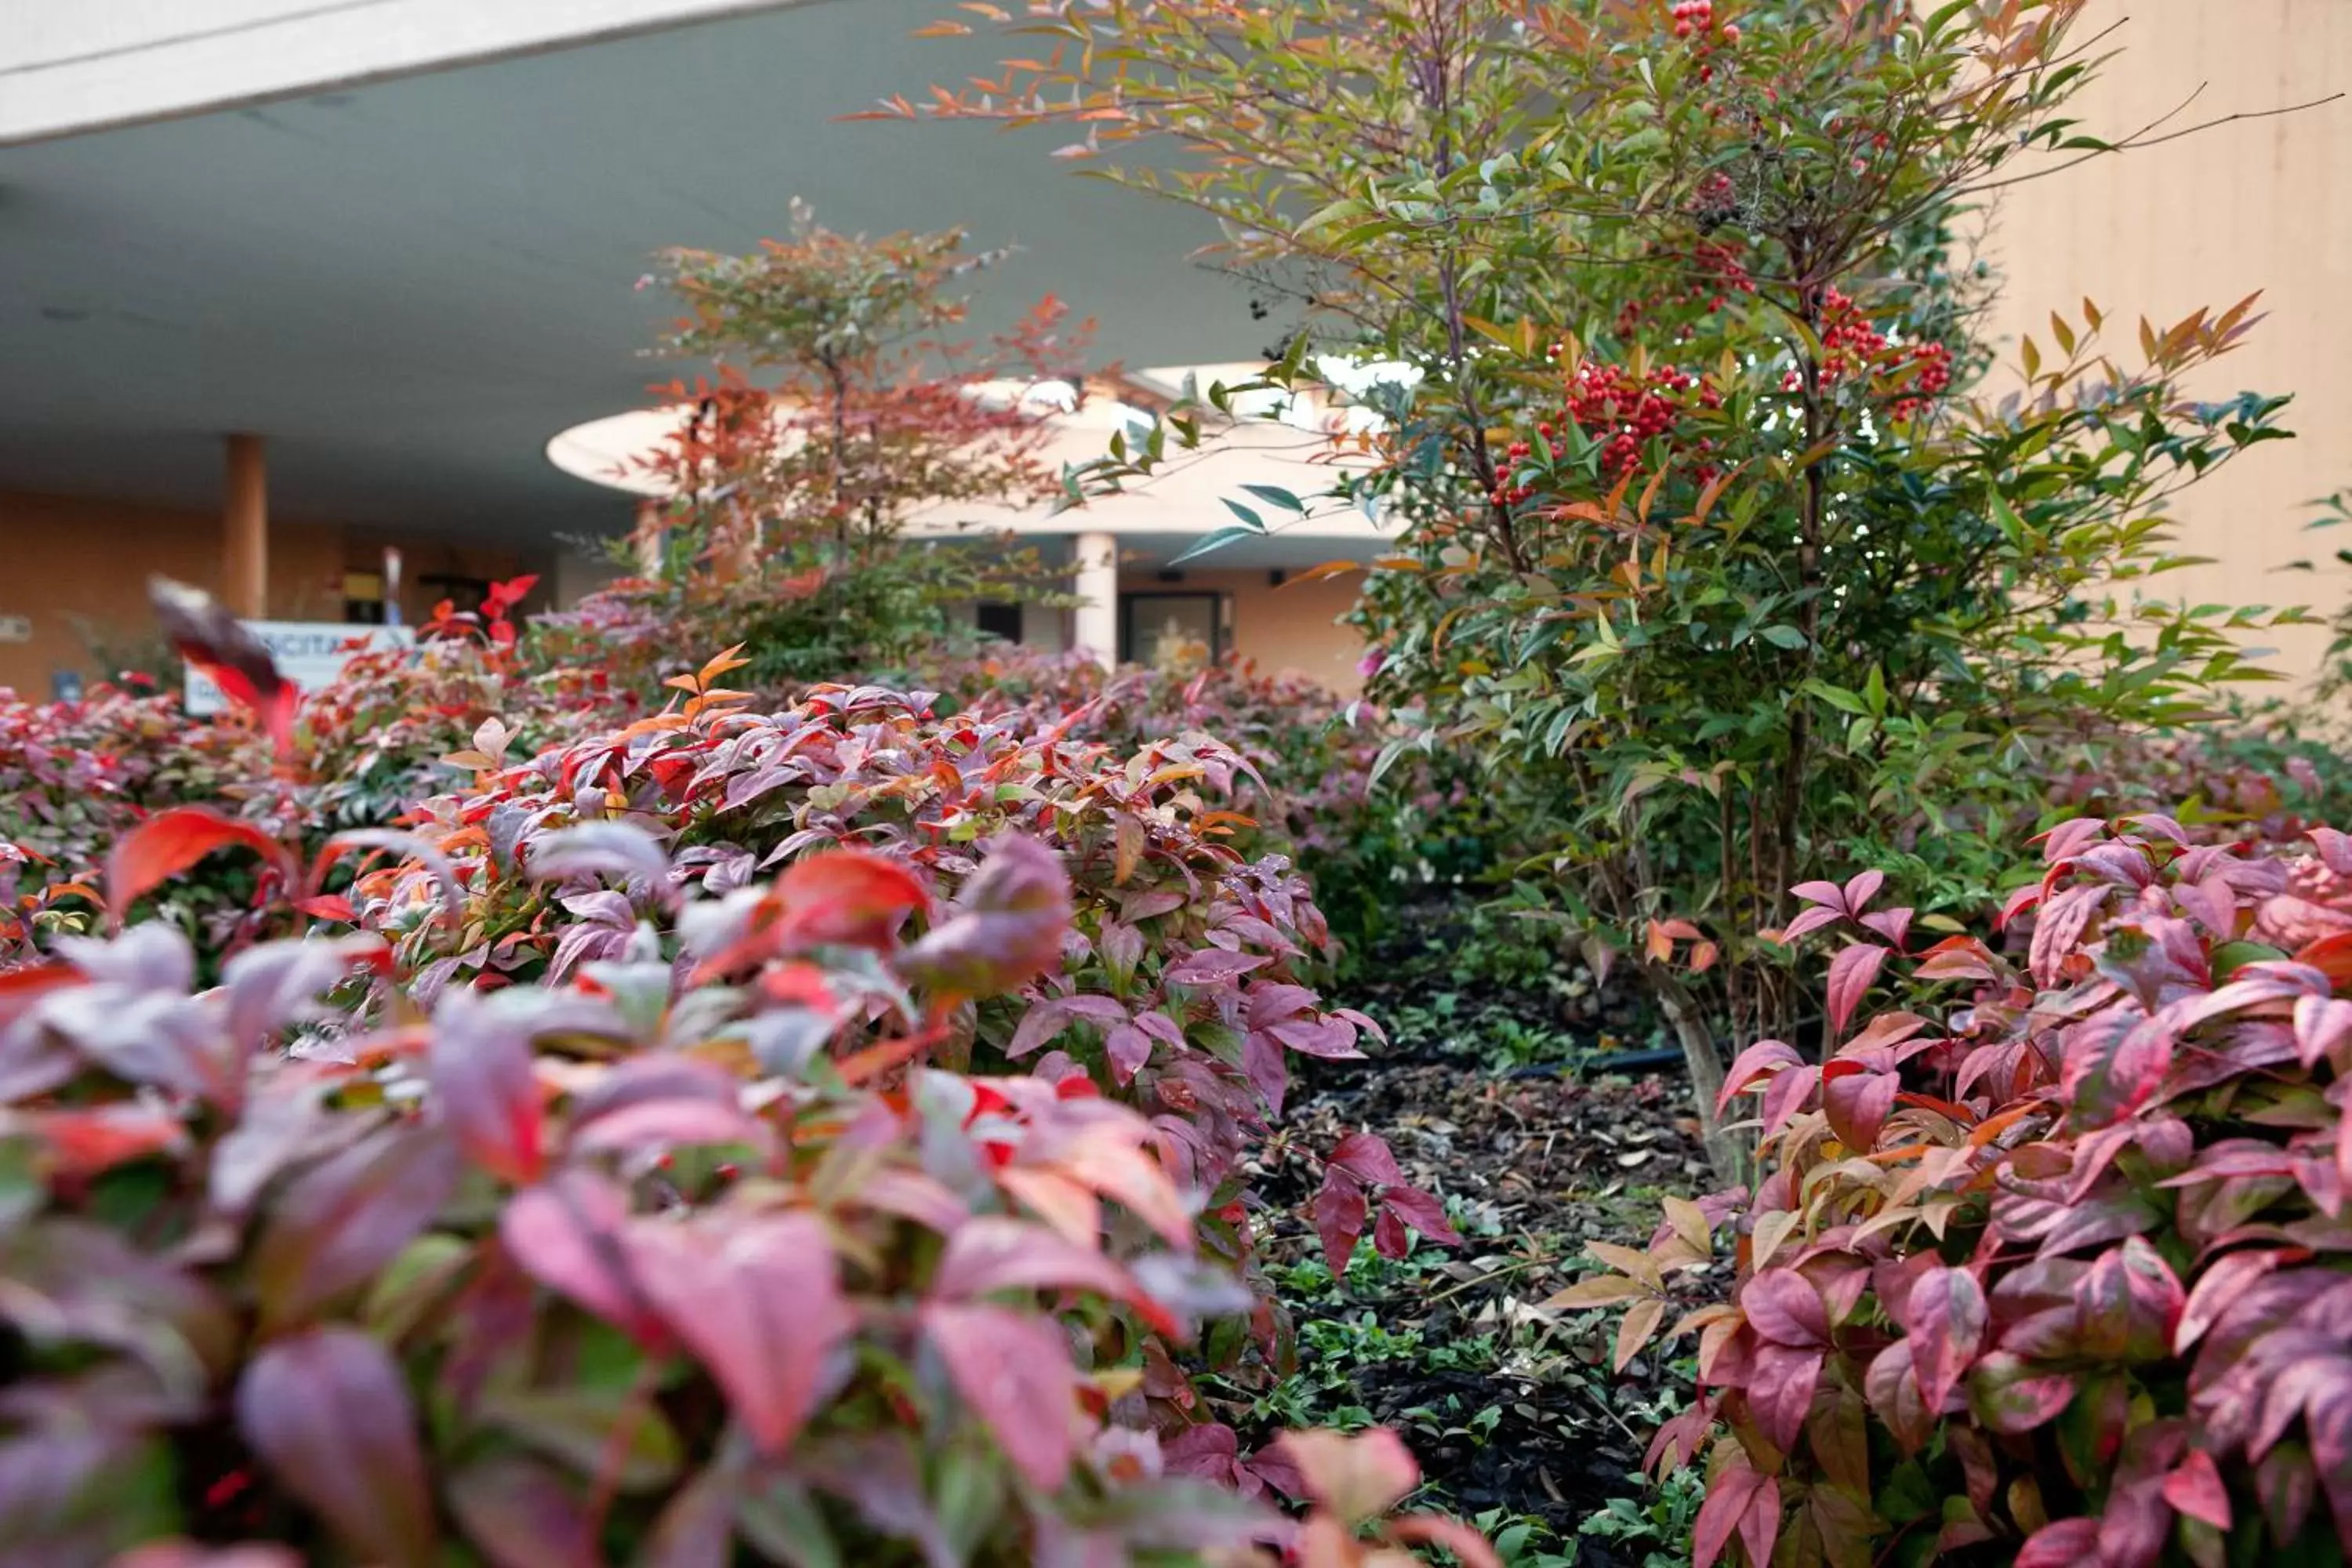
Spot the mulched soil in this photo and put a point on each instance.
(1549, 1163)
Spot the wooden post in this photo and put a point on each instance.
(245, 530)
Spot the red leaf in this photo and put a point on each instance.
(758, 1299)
(566, 1234)
(1850, 973)
(1366, 1157)
(1737, 1500)
(202, 632)
(88, 1142)
(1944, 1324)
(845, 898)
(330, 1413)
(1857, 1105)
(168, 843)
(1013, 1369)
(1339, 1217)
(2195, 1489)
(486, 1089)
(1423, 1212)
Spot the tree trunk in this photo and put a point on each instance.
(1730, 1153)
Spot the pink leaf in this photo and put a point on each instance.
(486, 1090)
(1358, 1479)
(1828, 895)
(1784, 1309)
(1127, 1048)
(1808, 922)
(1013, 1369)
(1739, 1492)
(2009, 1397)
(1760, 1061)
(329, 1413)
(1945, 1322)
(2225, 1280)
(566, 1234)
(1895, 925)
(1781, 1392)
(991, 1253)
(2064, 1544)
(1211, 965)
(759, 1301)
(344, 1219)
(2194, 1488)
(1861, 888)
(2323, 1028)
(1850, 973)
(519, 1513)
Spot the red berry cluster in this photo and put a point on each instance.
(1720, 276)
(1694, 19)
(1850, 344)
(1626, 411)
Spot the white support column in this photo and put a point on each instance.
(1096, 557)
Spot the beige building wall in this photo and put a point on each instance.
(1290, 628)
(2204, 221)
(77, 569)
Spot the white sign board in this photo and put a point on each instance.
(311, 653)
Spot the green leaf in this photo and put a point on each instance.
(1247, 514)
(1274, 495)
(1217, 538)
(1786, 636)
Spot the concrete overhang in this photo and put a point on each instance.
(409, 286)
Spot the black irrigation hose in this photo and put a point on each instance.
(1603, 1061)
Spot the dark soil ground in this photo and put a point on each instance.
(1508, 1407)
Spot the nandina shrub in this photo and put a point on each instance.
(675, 1263)
(1315, 787)
(1182, 988)
(378, 739)
(2255, 779)
(2059, 1270)
(76, 777)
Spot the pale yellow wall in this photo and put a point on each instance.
(2258, 204)
(68, 560)
(1290, 628)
